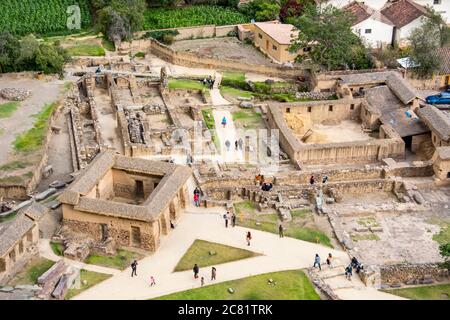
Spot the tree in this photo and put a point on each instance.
(292, 9)
(50, 58)
(122, 17)
(29, 48)
(261, 10)
(9, 50)
(327, 31)
(444, 250)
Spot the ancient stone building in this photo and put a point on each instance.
(128, 200)
(18, 240)
(441, 163)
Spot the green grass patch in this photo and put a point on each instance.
(301, 213)
(7, 109)
(91, 278)
(33, 138)
(140, 54)
(233, 76)
(16, 180)
(121, 260)
(14, 165)
(32, 271)
(200, 253)
(57, 248)
(246, 206)
(108, 45)
(248, 118)
(368, 222)
(86, 50)
(185, 84)
(364, 236)
(435, 292)
(443, 236)
(235, 92)
(288, 285)
(209, 121)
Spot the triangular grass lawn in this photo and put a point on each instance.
(200, 253)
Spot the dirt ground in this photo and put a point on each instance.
(42, 93)
(223, 48)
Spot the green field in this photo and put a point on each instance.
(162, 18)
(7, 109)
(91, 279)
(41, 17)
(32, 271)
(287, 285)
(436, 292)
(301, 227)
(94, 50)
(199, 253)
(34, 138)
(121, 260)
(186, 84)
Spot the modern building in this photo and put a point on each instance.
(274, 39)
(371, 25)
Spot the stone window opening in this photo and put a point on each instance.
(12, 256)
(21, 247)
(30, 236)
(288, 110)
(105, 232)
(135, 236)
(309, 109)
(330, 108)
(2, 265)
(260, 35)
(274, 47)
(352, 107)
(139, 189)
(448, 175)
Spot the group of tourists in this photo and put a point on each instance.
(196, 270)
(209, 82)
(230, 217)
(197, 197)
(312, 180)
(329, 261)
(238, 144)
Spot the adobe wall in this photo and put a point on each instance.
(118, 228)
(18, 255)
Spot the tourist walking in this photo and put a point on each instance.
(224, 122)
(317, 262)
(281, 231)
(248, 237)
(227, 144)
(202, 281)
(324, 179)
(233, 220)
(152, 281)
(196, 200)
(196, 270)
(240, 143)
(349, 272)
(213, 273)
(134, 268)
(236, 145)
(330, 261)
(226, 216)
(312, 180)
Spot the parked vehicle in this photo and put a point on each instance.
(441, 98)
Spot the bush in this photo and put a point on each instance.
(164, 36)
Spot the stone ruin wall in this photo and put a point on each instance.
(193, 60)
(412, 274)
(118, 228)
(388, 145)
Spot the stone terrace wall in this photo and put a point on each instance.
(412, 274)
(192, 60)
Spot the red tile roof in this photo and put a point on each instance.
(403, 12)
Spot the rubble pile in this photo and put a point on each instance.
(15, 94)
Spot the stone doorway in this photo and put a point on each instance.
(135, 236)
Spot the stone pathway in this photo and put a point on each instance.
(276, 255)
(227, 134)
(46, 252)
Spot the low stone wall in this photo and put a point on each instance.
(193, 60)
(412, 274)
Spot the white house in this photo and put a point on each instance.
(440, 6)
(374, 28)
(406, 16)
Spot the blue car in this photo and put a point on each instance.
(441, 98)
